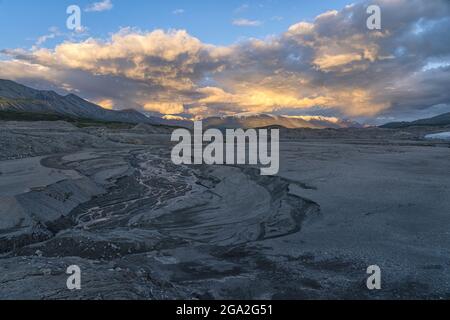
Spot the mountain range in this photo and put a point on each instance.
(441, 120)
(17, 97)
(20, 98)
(260, 120)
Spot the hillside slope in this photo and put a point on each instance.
(441, 120)
(17, 97)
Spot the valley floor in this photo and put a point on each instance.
(112, 202)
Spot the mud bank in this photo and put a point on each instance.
(135, 206)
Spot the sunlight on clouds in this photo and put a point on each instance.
(331, 62)
(327, 14)
(259, 100)
(105, 104)
(172, 117)
(302, 28)
(361, 101)
(267, 101)
(167, 108)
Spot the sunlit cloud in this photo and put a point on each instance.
(172, 117)
(166, 108)
(105, 104)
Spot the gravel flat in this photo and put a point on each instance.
(139, 227)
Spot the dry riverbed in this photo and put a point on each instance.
(139, 227)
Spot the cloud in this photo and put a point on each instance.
(178, 11)
(167, 108)
(42, 39)
(330, 66)
(246, 23)
(171, 117)
(53, 33)
(105, 103)
(104, 5)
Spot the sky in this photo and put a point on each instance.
(209, 20)
(193, 59)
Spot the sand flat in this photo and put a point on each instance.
(22, 175)
(343, 200)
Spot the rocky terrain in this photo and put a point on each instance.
(139, 227)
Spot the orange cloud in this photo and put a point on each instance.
(106, 104)
(167, 108)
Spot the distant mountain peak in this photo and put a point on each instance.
(258, 120)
